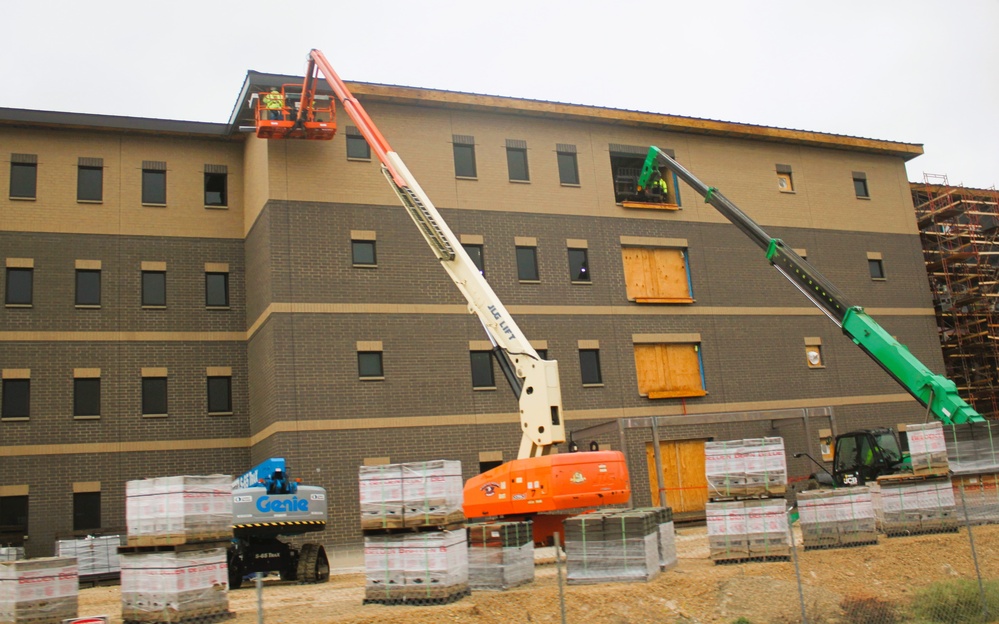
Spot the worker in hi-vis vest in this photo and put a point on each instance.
(274, 102)
(659, 186)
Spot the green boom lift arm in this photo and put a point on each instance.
(935, 392)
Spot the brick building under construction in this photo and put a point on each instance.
(186, 298)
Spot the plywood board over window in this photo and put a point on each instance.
(656, 275)
(667, 371)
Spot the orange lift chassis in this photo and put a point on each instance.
(538, 481)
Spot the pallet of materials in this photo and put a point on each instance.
(39, 591)
(973, 448)
(911, 506)
(500, 555)
(418, 568)
(978, 493)
(612, 546)
(418, 494)
(177, 510)
(11, 553)
(173, 585)
(837, 518)
(748, 530)
(95, 556)
(927, 448)
(667, 536)
(750, 468)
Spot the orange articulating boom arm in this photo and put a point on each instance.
(537, 481)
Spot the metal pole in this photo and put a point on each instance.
(260, 598)
(797, 570)
(974, 554)
(659, 461)
(558, 568)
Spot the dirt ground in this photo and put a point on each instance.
(696, 590)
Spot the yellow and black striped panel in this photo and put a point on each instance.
(290, 523)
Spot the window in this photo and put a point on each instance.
(219, 395)
(23, 176)
(154, 288)
(369, 365)
(813, 353)
(516, 160)
(357, 147)
(464, 156)
(482, 370)
(627, 163)
(154, 396)
(90, 180)
(486, 466)
(568, 170)
(363, 253)
(669, 370)
(217, 290)
(86, 397)
(88, 287)
(216, 186)
(527, 264)
(860, 184)
(784, 182)
(86, 511)
(877, 268)
(19, 282)
(542, 353)
(154, 183)
(13, 518)
(656, 275)
(475, 253)
(579, 266)
(589, 367)
(16, 398)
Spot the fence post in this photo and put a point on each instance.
(260, 597)
(558, 569)
(797, 570)
(974, 553)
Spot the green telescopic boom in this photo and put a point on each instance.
(935, 392)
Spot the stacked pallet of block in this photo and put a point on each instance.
(973, 455)
(500, 554)
(909, 506)
(174, 566)
(667, 536)
(11, 553)
(39, 591)
(837, 518)
(415, 543)
(96, 556)
(746, 515)
(927, 448)
(612, 546)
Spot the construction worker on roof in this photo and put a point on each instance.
(274, 101)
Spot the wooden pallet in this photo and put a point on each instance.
(183, 547)
(909, 476)
(199, 616)
(752, 559)
(835, 546)
(177, 539)
(649, 205)
(425, 528)
(419, 596)
(100, 580)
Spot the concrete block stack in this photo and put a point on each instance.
(973, 455)
(95, 556)
(907, 506)
(500, 554)
(11, 553)
(174, 566)
(39, 591)
(837, 518)
(176, 585)
(415, 543)
(612, 546)
(746, 513)
(927, 448)
(667, 536)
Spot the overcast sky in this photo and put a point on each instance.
(916, 71)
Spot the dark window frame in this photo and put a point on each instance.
(151, 403)
(876, 267)
(212, 180)
(211, 292)
(86, 397)
(464, 161)
(86, 511)
(512, 156)
(148, 301)
(357, 147)
(479, 361)
(860, 187)
(17, 296)
(477, 253)
(14, 513)
(219, 404)
(370, 365)
(85, 292)
(522, 269)
(579, 271)
(589, 367)
(568, 176)
(154, 195)
(23, 185)
(16, 400)
(358, 260)
(89, 188)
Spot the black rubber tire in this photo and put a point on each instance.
(235, 564)
(313, 566)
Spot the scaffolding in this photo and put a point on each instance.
(959, 228)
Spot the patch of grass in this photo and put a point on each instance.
(956, 602)
(741, 620)
(869, 610)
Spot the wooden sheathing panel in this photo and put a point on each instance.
(683, 475)
(668, 371)
(656, 275)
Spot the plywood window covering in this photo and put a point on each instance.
(669, 370)
(656, 275)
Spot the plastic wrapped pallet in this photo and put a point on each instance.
(174, 586)
(418, 494)
(500, 554)
(916, 506)
(751, 529)
(927, 447)
(979, 494)
(428, 567)
(612, 546)
(667, 536)
(38, 590)
(836, 518)
(11, 553)
(94, 555)
(972, 448)
(742, 468)
(174, 510)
